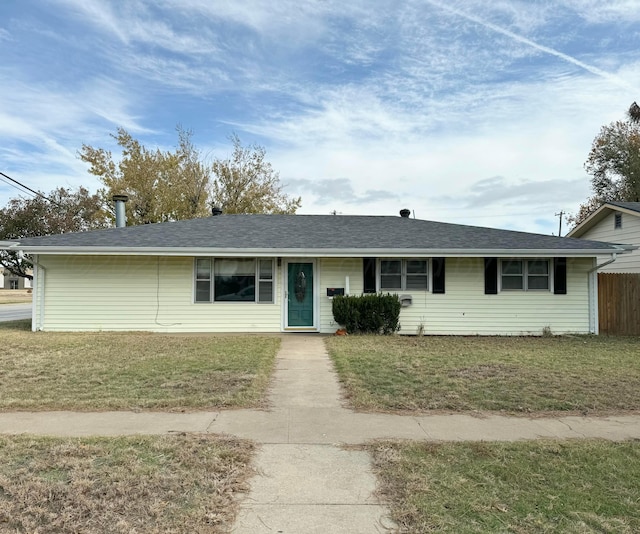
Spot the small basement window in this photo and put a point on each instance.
(617, 220)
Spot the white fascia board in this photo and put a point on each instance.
(327, 253)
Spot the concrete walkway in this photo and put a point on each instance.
(306, 478)
(305, 486)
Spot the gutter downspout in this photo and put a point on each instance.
(594, 325)
(614, 257)
(38, 279)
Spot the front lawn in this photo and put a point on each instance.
(125, 371)
(180, 483)
(580, 374)
(522, 487)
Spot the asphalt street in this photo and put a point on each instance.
(15, 312)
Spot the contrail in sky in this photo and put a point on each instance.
(519, 38)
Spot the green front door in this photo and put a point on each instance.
(300, 295)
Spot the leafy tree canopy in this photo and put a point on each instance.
(614, 165)
(246, 183)
(61, 211)
(179, 184)
(161, 186)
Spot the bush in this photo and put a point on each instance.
(368, 314)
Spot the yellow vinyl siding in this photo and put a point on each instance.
(156, 294)
(629, 234)
(464, 309)
(142, 293)
(333, 272)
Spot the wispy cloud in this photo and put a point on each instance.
(547, 50)
(418, 104)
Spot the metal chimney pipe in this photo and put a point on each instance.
(121, 217)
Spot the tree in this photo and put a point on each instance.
(247, 183)
(614, 165)
(59, 212)
(161, 186)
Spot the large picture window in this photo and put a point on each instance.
(525, 275)
(233, 280)
(404, 275)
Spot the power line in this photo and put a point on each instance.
(12, 185)
(38, 193)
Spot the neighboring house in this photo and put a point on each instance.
(11, 281)
(276, 273)
(614, 222)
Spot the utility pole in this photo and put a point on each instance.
(560, 226)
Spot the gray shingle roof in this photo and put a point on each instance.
(633, 206)
(311, 232)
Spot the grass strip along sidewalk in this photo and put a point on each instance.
(15, 296)
(534, 486)
(125, 371)
(578, 374)
(178, 483)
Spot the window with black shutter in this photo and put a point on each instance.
(437, 266)
(560, 276)
(369, 274)
(491, 276)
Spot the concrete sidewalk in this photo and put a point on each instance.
(310, 486)
(326, 426)
(306, 479)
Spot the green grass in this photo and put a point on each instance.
(179, 483)
(580, 374)
(522, 487)
(123, 371)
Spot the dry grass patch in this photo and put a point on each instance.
(180, 483)
(15, 296)
(580, 374)
(124, 371)
(523, 487)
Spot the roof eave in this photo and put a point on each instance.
(319, 252)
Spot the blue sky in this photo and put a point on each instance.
(469, 111)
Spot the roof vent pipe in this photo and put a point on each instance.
(121, 217)
(215, 211)
(405, 213)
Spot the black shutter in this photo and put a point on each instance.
(438, 274)
(491, 276)
(560, 276)
(369, 274)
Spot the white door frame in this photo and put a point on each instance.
(285, 296)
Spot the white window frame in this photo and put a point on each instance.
(258, 281)
(404, 274)
(525, 275)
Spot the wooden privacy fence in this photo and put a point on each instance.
(619, 303)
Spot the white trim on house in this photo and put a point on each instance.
(316, 253)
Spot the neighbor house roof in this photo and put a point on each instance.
(631, 208)
(307, 235)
